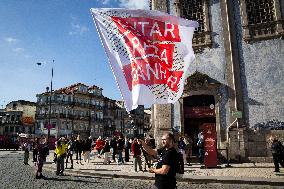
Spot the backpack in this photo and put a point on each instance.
(276, 147)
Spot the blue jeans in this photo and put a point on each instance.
(120, 159)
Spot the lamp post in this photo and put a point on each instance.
(49, 111)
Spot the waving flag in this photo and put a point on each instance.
(149, 53)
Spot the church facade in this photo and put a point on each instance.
(241, 43)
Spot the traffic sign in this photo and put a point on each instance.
(237, 114)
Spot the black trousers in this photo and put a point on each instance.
(276, 161)
(126, 155)
(78, 155)
(59, 165)
(69, 155)
(35, 155)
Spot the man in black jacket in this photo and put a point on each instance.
(277, 153)
(166, 168)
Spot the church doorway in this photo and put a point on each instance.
(199, 110)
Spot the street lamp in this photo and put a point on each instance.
(49, 112)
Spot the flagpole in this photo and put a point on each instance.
(49, 112)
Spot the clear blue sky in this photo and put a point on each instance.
(42, 30)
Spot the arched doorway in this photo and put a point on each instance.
(199, 110)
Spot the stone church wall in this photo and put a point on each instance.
(262, 75)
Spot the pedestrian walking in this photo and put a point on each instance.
(113, 145)
(60, 152)
(78, 149)
(87, 149)
(167, 165)
(99, 146)
(277, 150)
(120, 148)
(200, 145)
(35, 151)
(147, 158)
(188, 148)
(42, 148)
(136, 155)
(70, 150)
(181, 147)
(27, 148)
(106, 151)
(127, 148)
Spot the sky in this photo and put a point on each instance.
(34, 31)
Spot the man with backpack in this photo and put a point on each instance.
(167, 166)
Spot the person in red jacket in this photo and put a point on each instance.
(136, 154)
(99, 145)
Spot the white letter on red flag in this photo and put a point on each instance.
(149, 53)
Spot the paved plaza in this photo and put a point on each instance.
(14, 174)
(237, 173)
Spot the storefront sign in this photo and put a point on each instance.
(210, 148)
(199, 112)
(28, 120)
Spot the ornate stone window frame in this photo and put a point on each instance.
(263, 31)
(202, 39)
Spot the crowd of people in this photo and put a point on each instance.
(165, 162)
(74, 149)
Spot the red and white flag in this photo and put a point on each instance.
(149, 53)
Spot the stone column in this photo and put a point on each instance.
(238, 144)
(162, 119)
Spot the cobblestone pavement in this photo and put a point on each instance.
(14, 174)
(244, 170)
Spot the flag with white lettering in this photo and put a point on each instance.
(149, 53)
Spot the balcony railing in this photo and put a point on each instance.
(71, 104)
(69, 116)
(263, 31)
(201, 40)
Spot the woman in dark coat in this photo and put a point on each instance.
(41, 157)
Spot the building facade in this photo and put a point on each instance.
(18, 118)
(109, 117)
(241, 42)
(121, 117)
(148, 129)
(73, 110)
(131, 123)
